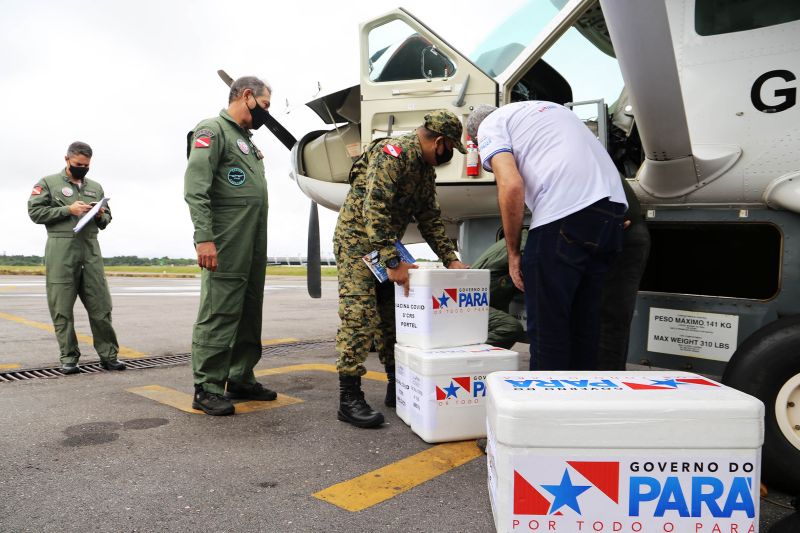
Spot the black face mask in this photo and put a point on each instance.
(445, 157)
(258, 115)
(78, 172)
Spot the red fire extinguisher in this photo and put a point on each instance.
(473, 158)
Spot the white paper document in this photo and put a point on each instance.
(90, 214)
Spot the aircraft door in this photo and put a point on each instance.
(407, 71)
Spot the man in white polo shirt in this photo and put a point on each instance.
(544, 157)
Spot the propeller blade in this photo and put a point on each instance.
(277, 129)
(224, 75)
(314, 269)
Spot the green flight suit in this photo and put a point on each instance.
(74, 264)
(226, 190)
(389, 185)
(504, 329)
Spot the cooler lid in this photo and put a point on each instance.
(456, 276)
(653, 409)
(473, 358)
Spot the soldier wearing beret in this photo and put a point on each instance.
(392, 182)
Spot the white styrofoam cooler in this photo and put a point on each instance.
(401, 384)
(443, 308)
(444, 395)
(622, 451)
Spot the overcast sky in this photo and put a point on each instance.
(132, 78)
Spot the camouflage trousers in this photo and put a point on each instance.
(366, 310)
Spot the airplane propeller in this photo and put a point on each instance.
(313, 266)
(313, 276)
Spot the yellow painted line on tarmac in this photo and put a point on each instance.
(319, 367)
(124, 352)
(183, 402)
(9, 366)
(384, 483)
(270, 342)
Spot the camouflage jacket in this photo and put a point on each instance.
(389, 185)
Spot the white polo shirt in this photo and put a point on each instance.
(563, 165)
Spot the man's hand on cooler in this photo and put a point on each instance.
(399, 275)
(457, 264)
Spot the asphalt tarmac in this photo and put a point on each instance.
(114, 451)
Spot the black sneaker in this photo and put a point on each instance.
(211, 403)
(257, 392)
(69, 368)
(113, 364)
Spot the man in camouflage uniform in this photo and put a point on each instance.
(392, 182)
(504, 329)
(73, 261)
(226, 190)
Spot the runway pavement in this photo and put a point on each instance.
(123, 451)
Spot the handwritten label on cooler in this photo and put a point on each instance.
(413, 314)
(705, 335)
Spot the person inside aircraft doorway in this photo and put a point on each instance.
(392, 182)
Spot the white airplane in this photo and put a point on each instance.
(702, 117)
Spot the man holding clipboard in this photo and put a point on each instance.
(73, 209)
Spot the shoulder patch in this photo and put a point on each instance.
(202, 138)
(37, 189)
(393, 150)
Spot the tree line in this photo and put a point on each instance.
(120, 260)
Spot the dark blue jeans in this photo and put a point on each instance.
(563, 267)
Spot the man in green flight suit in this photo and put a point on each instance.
(73, 261)
(504, 329)
(392, 182)
(226, 190)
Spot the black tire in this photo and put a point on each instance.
(761, 366)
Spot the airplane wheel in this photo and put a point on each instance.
(767, 366)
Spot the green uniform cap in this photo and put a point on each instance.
(446, 123)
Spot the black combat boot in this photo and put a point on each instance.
(210, 403)
(391, 392)
(69, 368)
(112, 364)
(353, 409)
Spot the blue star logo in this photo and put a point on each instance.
(451, 390)
(566, 494)
(443, 300)
(666, 383)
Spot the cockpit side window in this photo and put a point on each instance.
(397, 52)
(714, 17)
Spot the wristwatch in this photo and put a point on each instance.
(392, 262)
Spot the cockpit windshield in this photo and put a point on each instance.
(510, 38)
(579, 66)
